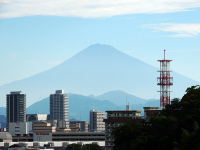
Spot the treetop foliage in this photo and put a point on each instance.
(176, 127)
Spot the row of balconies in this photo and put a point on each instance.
(109, 143)
(121, 115)
(113, 124)
(109, 130)
(108, 135)
(110, 139)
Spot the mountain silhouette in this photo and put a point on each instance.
(121, 98)
(79, 106)
(96, 70)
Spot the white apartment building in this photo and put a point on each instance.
(59, 108)
(96, 121)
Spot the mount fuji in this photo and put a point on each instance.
(96, 70)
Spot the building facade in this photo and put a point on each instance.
(42, 131)
(96, 121)
(16, 108)
(150, 112)
(115, 119)
(83, 125)
(30, 118)
(59, 108)
(18, 128)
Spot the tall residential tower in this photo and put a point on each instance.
(16, 108)
(96, 121)
(59, 108)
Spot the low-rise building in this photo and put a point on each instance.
(30, 118)
(115, 119)
(78, 136)
(18, 128)
(42, 131)
(150, 112)
(83, 125)
(74, 126)
(5, 137)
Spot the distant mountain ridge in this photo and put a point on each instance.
(121, 98)
(95, 70)
(80, 106)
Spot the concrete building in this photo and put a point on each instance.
(79, 136)
(47, 145)
(96, 121)
(75, 127)
(83, 125)
(59, 108)
(150, 112)
(42, 131)
(16, 108)
(115, 119)
(5, 137)
(36, 117)
(30, 118)
(18, 128)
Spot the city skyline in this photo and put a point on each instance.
(114, 59)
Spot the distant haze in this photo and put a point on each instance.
(96, 70)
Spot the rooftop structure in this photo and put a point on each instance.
(5, 137)
(83, 125)
(150, 112)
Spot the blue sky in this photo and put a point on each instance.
(36, 35)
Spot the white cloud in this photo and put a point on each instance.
(180, 30)
(91, 8)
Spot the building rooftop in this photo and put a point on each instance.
(5, 136)
(16, 92)
(125, 111)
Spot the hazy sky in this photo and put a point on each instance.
(36, 35)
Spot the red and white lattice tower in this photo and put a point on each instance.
(164, 81)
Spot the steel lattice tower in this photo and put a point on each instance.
(164, 81)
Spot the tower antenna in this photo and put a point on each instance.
(164, 81)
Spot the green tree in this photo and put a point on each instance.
(74, 147)
(91, 147)
(124, 134)
(177, 127)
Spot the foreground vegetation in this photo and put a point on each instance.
(176, 128)
(83, 147)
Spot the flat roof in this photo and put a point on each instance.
(124, 111)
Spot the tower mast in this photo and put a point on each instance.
(164, 81)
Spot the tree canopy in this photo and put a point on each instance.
(176, 127)
(83, 147)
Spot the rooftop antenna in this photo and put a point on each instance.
(164, 54)
(128, 107)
